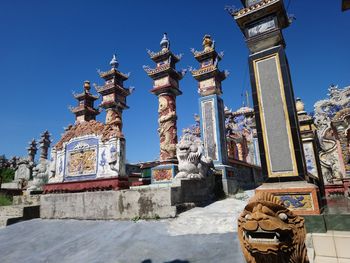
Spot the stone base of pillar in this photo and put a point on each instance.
(229, 181)
(163, 173)
(300, 197)
(192, 192)
(347, 186)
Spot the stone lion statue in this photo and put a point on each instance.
(40, 175)
(270, 233)
(192, 163)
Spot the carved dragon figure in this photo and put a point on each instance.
(270, 233)
(325, 111)
(167, 128)
(192, 163)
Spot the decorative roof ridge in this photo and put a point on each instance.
(252, 8)
(243, 110)
(112, 71)
(84, 93)
(197, 53)
(82, 107)
(79, 129)
(305, 117)
(165, 50)
(208, 69)
(155, 55)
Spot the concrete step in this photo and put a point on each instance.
(11, 210)
(12, 214)
(8, 220)
(26, 200)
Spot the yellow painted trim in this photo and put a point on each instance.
(305, 127)
(262, 118)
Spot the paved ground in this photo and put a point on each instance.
(199, 235)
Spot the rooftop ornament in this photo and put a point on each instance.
(299, 104)
(208, 43)
(165, 43)
(114, 62)
(87, 86)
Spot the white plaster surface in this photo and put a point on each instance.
(219, 217)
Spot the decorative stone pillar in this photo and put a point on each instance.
(309, 140)
(211, 108)
(32, 149)
(85, 110)
(211, 105)
(281, 153)
(44, 144)
(41, 171)
(166, 88)
(310, 145)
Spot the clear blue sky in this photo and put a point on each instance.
(48, 48)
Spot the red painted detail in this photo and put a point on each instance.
(140, 183)
(347, 185)
(113, 183)
(336, 189)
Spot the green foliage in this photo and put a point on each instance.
(156, 217)
(5, 200)
(7, 175)
(136, 218)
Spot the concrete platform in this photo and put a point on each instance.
(200, 235)
(150, 201)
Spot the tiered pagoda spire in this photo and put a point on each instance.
(166, 87)
(208, 75)
(32, 149)
(212, 119)
(85, 110)
(44, 144)
(114, 95)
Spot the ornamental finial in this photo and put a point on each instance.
(207, 42)
(165, 43)
(87, 86)
(299, 104)
(114, 62)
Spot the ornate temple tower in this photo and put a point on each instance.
(92, 152)
(166, 87)
(114, 96)
(32, 149)
(211, 106)
(44, 144)
(85, 110)
(282, 159)
(310, 144)
(309, 140)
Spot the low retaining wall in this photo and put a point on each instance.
(151, 201)
(142, 202)
(248, 176)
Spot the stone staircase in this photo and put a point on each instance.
(23, 208)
